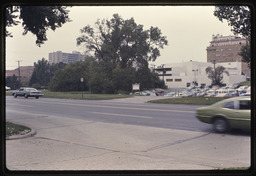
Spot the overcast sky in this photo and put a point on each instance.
(189, 30)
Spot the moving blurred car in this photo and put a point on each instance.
(27, 92)
(227, 114)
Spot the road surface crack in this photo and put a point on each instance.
(174, 143)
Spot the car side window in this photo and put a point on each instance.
(229, 105)
(21, 89)
(244, 104)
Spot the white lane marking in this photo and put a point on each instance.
(124, 115)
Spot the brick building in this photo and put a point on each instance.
(226, 49)
(25, 72)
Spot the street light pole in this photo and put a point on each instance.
(82, 80)
(195, 82)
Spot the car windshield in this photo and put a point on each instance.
(31, 90)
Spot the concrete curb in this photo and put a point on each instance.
(22, 136)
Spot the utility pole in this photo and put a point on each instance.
(19, 67)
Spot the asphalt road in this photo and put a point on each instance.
(117, 135)
(145, 114)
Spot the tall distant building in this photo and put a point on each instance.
(59, 56)
(226, 49)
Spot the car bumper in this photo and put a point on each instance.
(204, 119)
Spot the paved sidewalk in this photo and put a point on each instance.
(75, 144)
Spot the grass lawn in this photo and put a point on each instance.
(78, 95)
(245, 83)
(189, 100)
(12, 128)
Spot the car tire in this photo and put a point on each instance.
(26, 95)
(37, 97)
(15, 96)
(220, 125)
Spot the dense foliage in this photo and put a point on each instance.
(98, 79)
(36, 19)
(43, 72)
(13, 82)
(122, 43)
(122, 50)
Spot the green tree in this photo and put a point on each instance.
(98, 78)
(41, 74)
(122, 42)
(13, 82)
(148, 79)
(216, 74)
(69, 78)
(123, 79)
(245, 52)
(55, 67)
(239, 18)
(36, 19)
(122, 50)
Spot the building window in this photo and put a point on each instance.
(178, 80)
(169, 80)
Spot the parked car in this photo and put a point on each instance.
(146, 93)
(7, 88)
(247, 93)
(227, 114)
(27, 92)
(170, 94)
(242, 89)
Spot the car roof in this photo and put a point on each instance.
(232, 99)
(238, 98)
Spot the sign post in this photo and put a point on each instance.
(82, 80)
(135, 87)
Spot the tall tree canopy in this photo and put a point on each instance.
(43, 72)
(36, 19)
(122, 42)
(238, 17)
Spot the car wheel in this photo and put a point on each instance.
(15, 96)
(37, 97)
(220, 125)
(26, 95)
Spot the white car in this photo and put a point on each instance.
(242, 89)
(7, 88)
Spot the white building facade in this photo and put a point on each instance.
(59, 56)
(182, 75)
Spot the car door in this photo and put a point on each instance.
(241, 115)
(21, 92)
